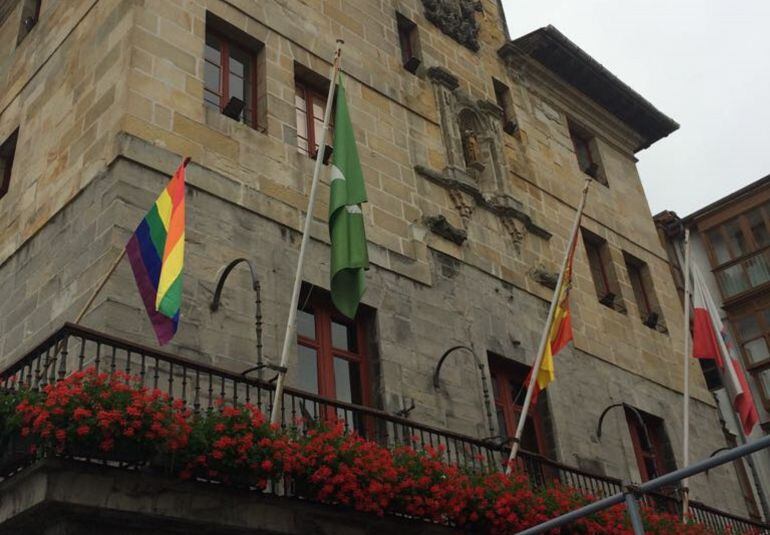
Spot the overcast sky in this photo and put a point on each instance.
(704, 63)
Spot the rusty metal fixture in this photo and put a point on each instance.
(484, 386)
(257, 300)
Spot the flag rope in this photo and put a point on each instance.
(291, 323)
(546, 331)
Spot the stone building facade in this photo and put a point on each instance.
(474, 149)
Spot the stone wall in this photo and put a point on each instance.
(111, 92)
(414, 323)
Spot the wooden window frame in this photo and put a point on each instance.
(597, 247)
(656, 453)
(324, 313)
(641, 283)
(224, 75)
(754, 369)
(719, 225)
(310, 93)
(502, 374)
(583, 138)
(503, 99)
(8, 155)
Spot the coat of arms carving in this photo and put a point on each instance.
(456, 18)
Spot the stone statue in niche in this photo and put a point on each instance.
(472, 151)
(469, 125)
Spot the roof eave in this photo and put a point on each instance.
(548, 46)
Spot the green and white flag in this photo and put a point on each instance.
(346, 221)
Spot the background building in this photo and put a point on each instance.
(729, 244)
(474, 148)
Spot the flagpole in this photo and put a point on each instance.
(726, 359)
(546, 330)
(291, 322)
(686, 363)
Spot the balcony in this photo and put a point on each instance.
(201, 387)
(742, 275)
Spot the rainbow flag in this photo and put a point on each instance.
(156, 254)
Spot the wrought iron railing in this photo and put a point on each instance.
(202, 386)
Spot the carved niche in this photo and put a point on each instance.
(472, 133)
(456, 18)
(476, 173)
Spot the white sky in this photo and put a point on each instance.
(704, 63)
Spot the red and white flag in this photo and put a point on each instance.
(711, 341)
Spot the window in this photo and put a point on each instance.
(586, 152)
(230, 74)
(641, 284)
(651, 446)
(310, 103)
(602, 272)
(332, 353)
(7, 153)
(710, 374)
(752, 330)
(407, 40)
(740, 251)
(509, 388)
(503, 99)
(30, 14)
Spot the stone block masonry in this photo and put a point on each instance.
(108, 97)
(415, 322)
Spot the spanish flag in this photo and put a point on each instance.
(156, 254)
(560, 332)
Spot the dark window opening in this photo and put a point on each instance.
(332, 353)
(586, 153)
(7, 154)
(407, 40)
(30, 15)
(509, 388)
(651, 446)
(503, 99)
(311, 90)
(230, 72)
(602, 272)
(710, 374)
(641, 284)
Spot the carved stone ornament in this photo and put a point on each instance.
(464, 204)
(516, 230)
(544, 277)
(456, 18)
(439, 225)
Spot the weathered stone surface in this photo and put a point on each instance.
(456, 18)
(439, 225)
(59, 497)
(107, 97)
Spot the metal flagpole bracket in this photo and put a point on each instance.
(637, 415)
(481, 368)
(257, 301)
(263, 366)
